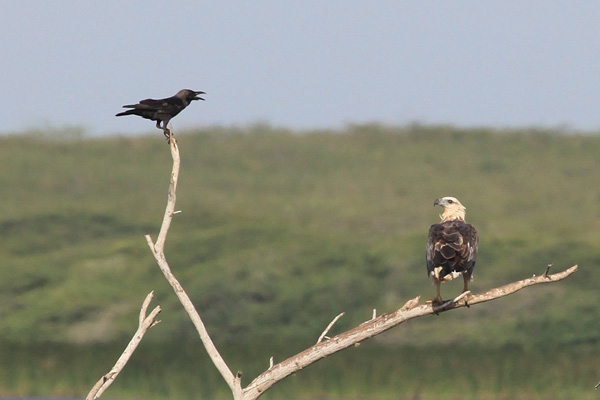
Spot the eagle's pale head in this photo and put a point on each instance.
(453, 210)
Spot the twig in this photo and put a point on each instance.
(340, 315)
(547, 270)
(145, 323)
(597, 385)
(158, 252)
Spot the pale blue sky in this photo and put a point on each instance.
(301, 64)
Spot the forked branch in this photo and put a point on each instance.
(145, 323)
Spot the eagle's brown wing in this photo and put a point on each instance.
(452, 245)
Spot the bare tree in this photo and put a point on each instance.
(325, 346)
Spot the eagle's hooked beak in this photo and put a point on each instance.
(440, 202)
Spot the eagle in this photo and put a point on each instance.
(163, 110)
(451, 246)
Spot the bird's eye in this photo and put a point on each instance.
(450, 201)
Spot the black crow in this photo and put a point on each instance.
(163, 109)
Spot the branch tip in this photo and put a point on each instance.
(547, 270)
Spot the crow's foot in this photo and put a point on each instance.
(167, 135)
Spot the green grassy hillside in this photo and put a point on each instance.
(279, 232)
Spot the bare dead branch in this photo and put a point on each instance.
(158, 252)
(145, 323)
(169, 210)
(340, 315)
(379, 325)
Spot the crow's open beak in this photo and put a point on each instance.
(196, 97)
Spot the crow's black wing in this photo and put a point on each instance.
(165, 108)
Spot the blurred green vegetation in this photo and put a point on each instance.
(369, 371)
(280, 231)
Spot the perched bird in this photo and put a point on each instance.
(162, 110)
(451, 246)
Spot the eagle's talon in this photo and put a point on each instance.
(441, 305)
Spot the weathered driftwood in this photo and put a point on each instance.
(323, 348)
